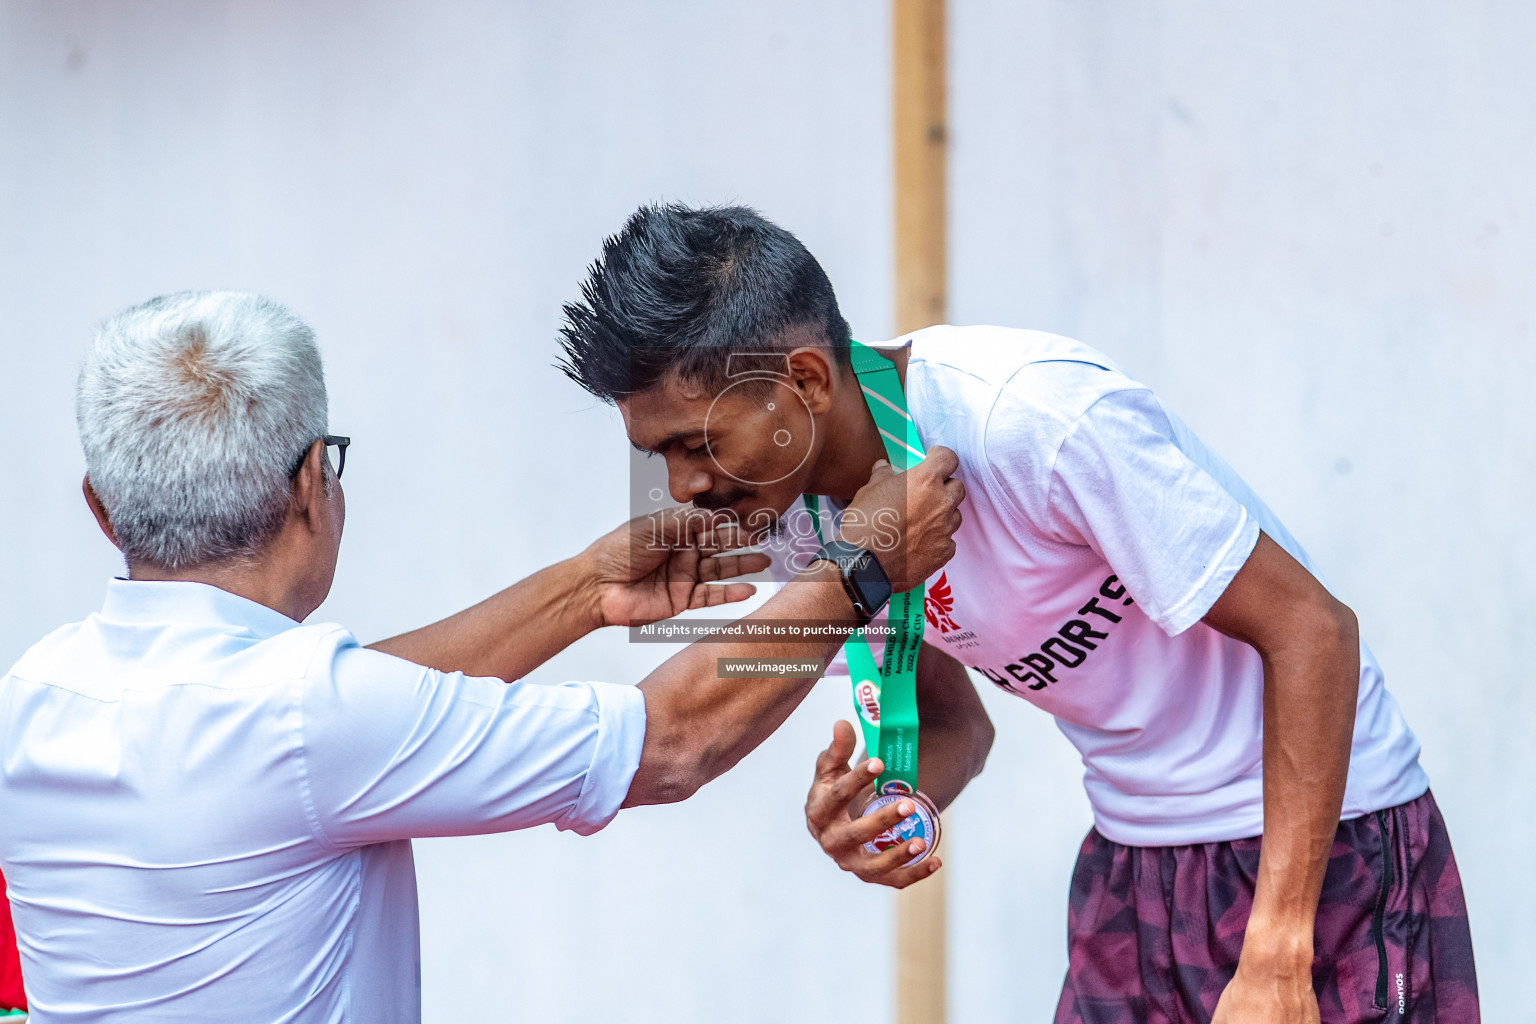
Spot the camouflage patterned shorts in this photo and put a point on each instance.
(1154, 932)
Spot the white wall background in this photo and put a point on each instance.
(1310, 227)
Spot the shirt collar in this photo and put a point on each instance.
(185, 603)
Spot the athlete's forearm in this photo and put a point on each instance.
(1310, 646)
(1310, 689)
(698, 724)
(956, 734)
(510, 633)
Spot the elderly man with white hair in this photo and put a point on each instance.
(207, 805)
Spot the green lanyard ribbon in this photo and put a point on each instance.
(886, 697)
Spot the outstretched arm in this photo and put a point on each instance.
(650, 568)
(1310, 646)
(699, 724)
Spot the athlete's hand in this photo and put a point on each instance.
(908, 520)
(835, 790)
(656, 566)
(1268, 995)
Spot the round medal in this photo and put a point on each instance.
(922, 823)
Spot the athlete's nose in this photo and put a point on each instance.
(686, 482)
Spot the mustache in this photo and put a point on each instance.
(712, 501)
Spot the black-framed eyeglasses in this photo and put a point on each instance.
(331, 441)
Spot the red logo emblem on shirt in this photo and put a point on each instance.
(938, 604)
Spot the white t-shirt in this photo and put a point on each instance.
(1098, 531)
(207, 807)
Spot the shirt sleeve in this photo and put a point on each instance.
(392, 750)
(1121, 485)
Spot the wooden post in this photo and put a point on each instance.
(921, 132)
(918, 71)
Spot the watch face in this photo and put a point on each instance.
(870, 579)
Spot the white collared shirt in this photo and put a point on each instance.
(206, 807)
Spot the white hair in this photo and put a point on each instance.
(194, 409)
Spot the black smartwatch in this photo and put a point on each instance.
(864, 581)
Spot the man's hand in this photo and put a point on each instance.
(836, 790)
(1271, 994)
(656, 566)
(908, 520)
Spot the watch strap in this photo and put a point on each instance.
(850, 558)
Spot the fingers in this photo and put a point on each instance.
(683, 571)
(871, 866)
(832, 763)
(733, 592)
(889, 866)
(660, 529)
(900, 878)
(709, 531)
(847, 787)
(864, 829)
(708, 596)
(843, 839)
(954, 494)
(939, 460)
(880, 471)
(836, 785)
(714, 536)
(724, 567)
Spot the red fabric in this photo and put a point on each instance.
(11, 995)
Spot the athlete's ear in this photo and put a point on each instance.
(812, 372)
